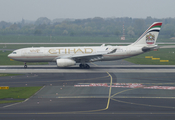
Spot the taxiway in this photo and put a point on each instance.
(94, 95)
(97, 67)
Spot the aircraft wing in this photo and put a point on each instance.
(89, 57)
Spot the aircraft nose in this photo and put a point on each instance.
(9, 55)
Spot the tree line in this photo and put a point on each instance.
(133, 27)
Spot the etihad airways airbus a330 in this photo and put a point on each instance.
(68, 56)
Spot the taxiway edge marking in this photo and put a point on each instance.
(109, 98)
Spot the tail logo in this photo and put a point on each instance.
(150, 38)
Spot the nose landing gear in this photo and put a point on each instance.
(25, 65)
(86, 66)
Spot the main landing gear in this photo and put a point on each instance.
(25, 65)
(84, 66)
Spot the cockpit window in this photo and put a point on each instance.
(13, 52)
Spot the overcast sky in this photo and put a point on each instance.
(15, 10)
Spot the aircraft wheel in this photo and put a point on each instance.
(25, 66)
(81, 65)
(87, 66)
(84, 66)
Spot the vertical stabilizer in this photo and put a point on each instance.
(149, 37)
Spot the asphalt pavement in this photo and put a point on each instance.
(103, 95)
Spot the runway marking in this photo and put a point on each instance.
(115, 97)
(146, 97)
(84, 97)
(93, 64)
(93, 85)
(121, 92)
(126, 85)
(109, 92)
(132, 83)
(142, 104)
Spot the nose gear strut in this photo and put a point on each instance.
(25, 65)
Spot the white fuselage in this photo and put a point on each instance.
(50, 54)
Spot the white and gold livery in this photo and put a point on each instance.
(68, 56)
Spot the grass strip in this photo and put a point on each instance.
(4, 74)
(163, 54)
(9, 101)
(18, 92)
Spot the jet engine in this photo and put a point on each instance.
(65, 62)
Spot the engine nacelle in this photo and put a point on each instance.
(65, 62)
